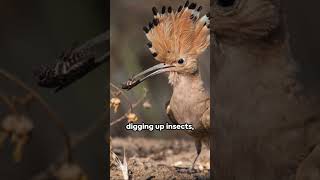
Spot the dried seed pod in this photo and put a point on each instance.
(132, 117)
(115, 103)
(19, 127)
(9, 123)
(24, 126)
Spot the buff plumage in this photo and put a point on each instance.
(178, 33)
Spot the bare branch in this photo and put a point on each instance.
(133, 106)
(59, 124)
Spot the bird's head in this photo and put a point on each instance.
(245, 19)
(176, 39)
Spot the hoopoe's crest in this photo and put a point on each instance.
(176, 34)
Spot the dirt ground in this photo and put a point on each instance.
(150, 159)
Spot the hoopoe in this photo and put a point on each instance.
(177, 39)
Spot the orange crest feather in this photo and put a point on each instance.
(178, 34)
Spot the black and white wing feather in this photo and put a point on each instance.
(74, 63)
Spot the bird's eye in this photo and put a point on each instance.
(181, 61)
(225, 3)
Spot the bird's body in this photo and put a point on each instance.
(266, 127)
(190, 103)
(177, 38)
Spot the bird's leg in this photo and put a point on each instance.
(191, 169)
(198, 148)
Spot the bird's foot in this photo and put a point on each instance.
(190, 170)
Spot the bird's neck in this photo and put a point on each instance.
(188, 85)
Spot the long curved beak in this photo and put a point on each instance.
(154, 70)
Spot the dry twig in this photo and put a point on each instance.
(59, 124)
(131, 106)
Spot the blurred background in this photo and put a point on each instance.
(35, 32)
(130, 55)
(304, 40)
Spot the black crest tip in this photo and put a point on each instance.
(180, 8)
(156, 22)
(150, 25)
(155, 11)
(199, 9)
(145, 29)
(169, 9)
(154, 54)
(192, 6)
(149, 45)
(208, 15)
(186, 4)
(163, 9)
